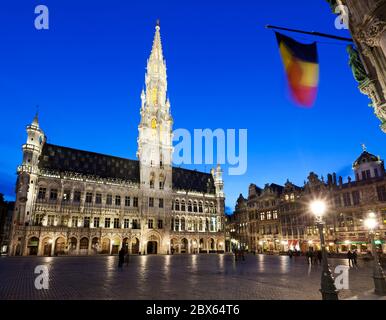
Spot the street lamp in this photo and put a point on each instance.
(378, 275)
(328, 289)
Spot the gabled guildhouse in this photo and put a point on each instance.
(81, 203)
(278, 218)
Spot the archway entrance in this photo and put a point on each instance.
(83, 246)
(60, 245)
(72, 245)
(125, 244)
(152, 247)
(106, 246)
(135, 246)
(47, 247)
(184, 246)
(33, 245)
(174, 246)
(95, 245)
(116, 246)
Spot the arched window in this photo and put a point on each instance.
(211, 210)
(200, 209)
(172, 224)
(200, 225)
(183, 208)
(190, 205)
(161, 182)
(182, 224)
(195, 206)
(152, 180)
(206, 207)
(177, 224)
(177, 205)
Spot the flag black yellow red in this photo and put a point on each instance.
(302, 69)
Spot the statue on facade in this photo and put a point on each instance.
(332, 4)
(355, 62)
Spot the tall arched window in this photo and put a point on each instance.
(152, 180)
(200, 207)
(206, 207)
(182, 224)
(195, 206)
(177, 224)
(177, 205)
(211, 210)
(200, 224)
(190, 205)
(183, 208)
(161, 182)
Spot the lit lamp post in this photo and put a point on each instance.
(378, 275)
(328, 289)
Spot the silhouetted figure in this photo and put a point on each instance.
(309, 256)
(320, 256)
(350, 258)
(355, 257)
(127, 256)
(121, 259)
(290, 253)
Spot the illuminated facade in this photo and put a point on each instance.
(367, 24)
(278, 219)
(81, 203)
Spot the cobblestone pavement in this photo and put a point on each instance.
(207, 277)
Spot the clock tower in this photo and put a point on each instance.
(155, 146)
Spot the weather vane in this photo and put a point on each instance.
(364, 147)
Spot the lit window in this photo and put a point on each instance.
(127, 201)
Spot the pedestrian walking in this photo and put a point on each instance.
(127, 257)
(354, 258)
(290, 253)
(309, 256)
(121, 258)
(350, 258)
(320, 256)
(315, 257)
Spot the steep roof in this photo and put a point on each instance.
(63, 159)
(365, 157)
(184, 179)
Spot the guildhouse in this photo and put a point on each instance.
(81, 203)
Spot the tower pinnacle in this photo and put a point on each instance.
(35, 121)
(156, 51)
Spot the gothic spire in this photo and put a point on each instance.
(156, 51)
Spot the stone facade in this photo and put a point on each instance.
(367, 24)
(277, 218)
(80, 203)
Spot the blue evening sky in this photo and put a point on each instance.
(87, 71)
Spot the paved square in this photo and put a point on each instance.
(207, 277)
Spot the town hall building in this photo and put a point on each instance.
(78, 202)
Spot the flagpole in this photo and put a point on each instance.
(313, 33)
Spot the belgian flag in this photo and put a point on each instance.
(302, 69)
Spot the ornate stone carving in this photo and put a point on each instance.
(371, 33)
